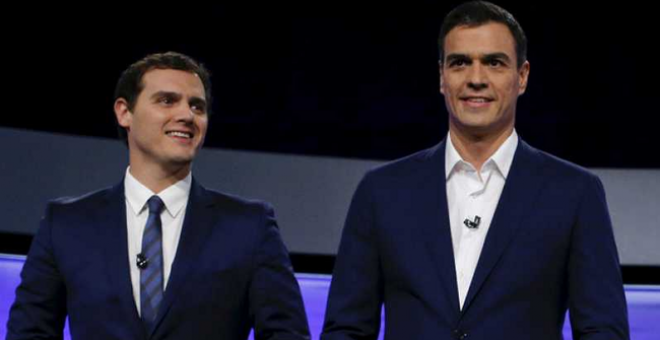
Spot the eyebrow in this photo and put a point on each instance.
(484, 58)
(496, 56)
(177, 96)
(169, 94)
(456, 56)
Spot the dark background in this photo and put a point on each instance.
(352, 79)
(349, 79)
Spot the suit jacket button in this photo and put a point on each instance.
(459, 334)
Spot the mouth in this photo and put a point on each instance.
(476, 101)
(180, 135)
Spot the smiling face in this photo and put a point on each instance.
(168, 123)
(480, 79)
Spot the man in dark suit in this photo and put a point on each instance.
(481, 236)
(158, 256)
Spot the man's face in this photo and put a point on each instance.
(168, 124)
(480, 79)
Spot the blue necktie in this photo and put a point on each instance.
(151, 276)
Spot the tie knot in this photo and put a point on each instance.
(155, 205)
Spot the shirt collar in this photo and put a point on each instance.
(501, 159)
(174, 197)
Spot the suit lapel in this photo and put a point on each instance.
(111, 224)
(197, 226)
(520, 190)
(438, 232)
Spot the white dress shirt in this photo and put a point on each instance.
(472, 193)
(175, 198)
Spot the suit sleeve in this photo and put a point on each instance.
(597, 301)
(356, 293)
(275, 300)
(39, 310)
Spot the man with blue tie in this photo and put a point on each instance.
(158, 256)
(481, 236)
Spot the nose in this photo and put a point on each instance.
(477, 78)
(185, 114)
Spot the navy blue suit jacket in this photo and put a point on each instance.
(231, 272)
(550, 248)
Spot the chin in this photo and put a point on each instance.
(181, 160)
(475, 124)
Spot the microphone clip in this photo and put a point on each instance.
(141, 261)
(472, 224)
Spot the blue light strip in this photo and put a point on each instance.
(643, 301)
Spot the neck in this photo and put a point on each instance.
(476, 149)
(157, 178)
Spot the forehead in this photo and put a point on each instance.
(492, 37)
(169, 80)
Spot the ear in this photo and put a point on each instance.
(523, 76)
(442, 81)
(123, 114)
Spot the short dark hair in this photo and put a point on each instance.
(477, 13)
(130, 84)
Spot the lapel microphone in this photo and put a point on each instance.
(470, 224)
(142, 261)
